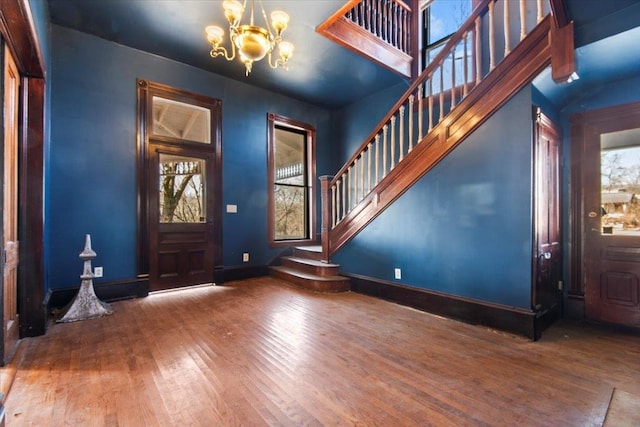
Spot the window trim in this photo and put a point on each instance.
(274, 120)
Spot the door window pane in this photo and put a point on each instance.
(181, 121)
(620, 182)
(182, 190)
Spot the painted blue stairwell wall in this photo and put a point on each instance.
(92, 163)
(465, 228)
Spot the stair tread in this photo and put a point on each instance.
(314, 248)
(310, 276)
(308, 261)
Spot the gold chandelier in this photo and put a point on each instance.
(251, 41)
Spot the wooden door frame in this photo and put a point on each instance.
(18, 33)
(586, 128)
(146, 89)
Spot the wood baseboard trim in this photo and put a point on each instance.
(240, 272)
(107, 291)
(509, 319)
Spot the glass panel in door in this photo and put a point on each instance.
(620, 183)
(182, 197)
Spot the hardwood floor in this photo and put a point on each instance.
(258, 352)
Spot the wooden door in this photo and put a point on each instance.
(611, 180)
(182, 217)
(548, 251)
(10, 206)
(180, 186)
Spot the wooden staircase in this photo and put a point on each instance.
(494, 54)
(306, 270)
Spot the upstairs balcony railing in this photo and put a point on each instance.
(388, 20)
(481, 43)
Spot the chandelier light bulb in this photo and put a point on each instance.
(215, 34)
(279, 20)
(232, 11)
(286, 50)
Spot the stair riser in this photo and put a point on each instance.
(314, 285)
(301, 253)
(311, 269)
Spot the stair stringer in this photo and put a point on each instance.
(517, 70)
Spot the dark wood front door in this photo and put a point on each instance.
(180, 187)
(611, 180)
(548, 262)
(182, 217)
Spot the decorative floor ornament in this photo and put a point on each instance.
(86, 304)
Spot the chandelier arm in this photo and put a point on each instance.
(279, 63)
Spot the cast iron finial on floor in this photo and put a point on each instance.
(86, 304)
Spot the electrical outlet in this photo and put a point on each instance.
(245, 257)
(397, 273)
(232, 208)
(97, 272)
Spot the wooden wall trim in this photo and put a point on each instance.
(31, 209)
(510, 319)
(525, 62)
(560, 15)
(241, 272)
(107, 291)
(18, 29)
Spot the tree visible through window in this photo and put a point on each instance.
(291, 172)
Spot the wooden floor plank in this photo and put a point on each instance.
(260, 352)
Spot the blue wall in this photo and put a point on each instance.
(92, 163)
(355, 122)
(466, 227)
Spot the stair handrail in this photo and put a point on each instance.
(344, 200)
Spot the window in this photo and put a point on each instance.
(440, 20)
(291, 159)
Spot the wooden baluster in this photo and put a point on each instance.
(507, 43)
(393, 142)
(492, 37)
(362, 190)
(539, 11)
(523, 20)
(335, 203)
(430, 104)
(354, 184)
(465, 85)
(369, 168)
(377, 174)
(338, 200)
(476, 53)
(410, 123)
(367, 8)
(384, 151)
(379, 18)
(420, 116)
(453, 77)
(401, 135)
(348, 195)
(344, 195)
(360, 14)
(441, 92)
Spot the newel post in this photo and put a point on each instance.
(325, 198)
